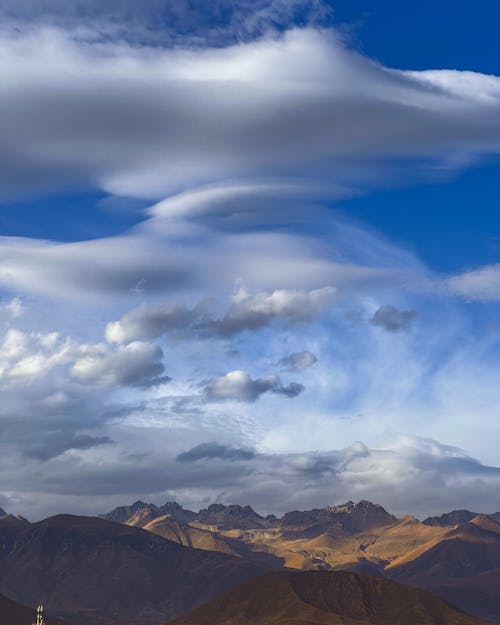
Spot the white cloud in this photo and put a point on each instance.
(15, 307)
(147, 122)
(478, 284)
(149, 322)
(247, 312)
(239, 386)
(136, 364)
(28, 356)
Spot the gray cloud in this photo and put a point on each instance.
(54, 444)
(417, 476)
(239, 386)
(393, 320)
(141, 131)
(150, 322)
(252, 312)
(210, 451)
(136, 364)
(247, 312)
(298, 361)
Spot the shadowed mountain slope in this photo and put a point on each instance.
(12, 613)
(326, 598)
(88, 570)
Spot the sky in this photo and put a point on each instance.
(249, 253)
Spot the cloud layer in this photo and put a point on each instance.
(128, 369)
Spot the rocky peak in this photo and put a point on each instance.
(126, 514)
(350, 517)
(232, 517)
(456, 517)
(2, 512)
(177, 512)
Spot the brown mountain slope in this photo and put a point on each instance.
(463, 568)
(88, 570)
(184, 534)
(326, 598)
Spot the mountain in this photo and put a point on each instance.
(354, 535)
(326, 598)
(12, 613)
(2, 512)
(88, 570)
(188, 536)
(124, 513)
(140, 513)
(234, 517)
(463, 567)
(349, 517)
(457, 517)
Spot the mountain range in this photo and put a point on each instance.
(455, 556)
(145, 565)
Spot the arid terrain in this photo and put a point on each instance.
(144, 564)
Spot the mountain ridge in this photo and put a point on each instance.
(326, 598)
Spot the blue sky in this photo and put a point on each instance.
(268, 228)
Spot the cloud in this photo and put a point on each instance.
(167, 22)
(239, 386)
(251, 312)
(298, 361)
(479, 284)
(26, 356)
(408, 475)
(149, 122)
(150, 322)
(211, 451)
(61, 443)
(393, 320)
(136, 364)
(184, 247)
(247, 312)
(15, 308)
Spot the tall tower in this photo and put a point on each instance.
(39, 616)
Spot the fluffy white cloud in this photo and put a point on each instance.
(239, 386)
(27, 356)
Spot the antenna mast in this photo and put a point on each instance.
(39, 616)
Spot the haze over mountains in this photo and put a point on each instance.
(150, 564)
